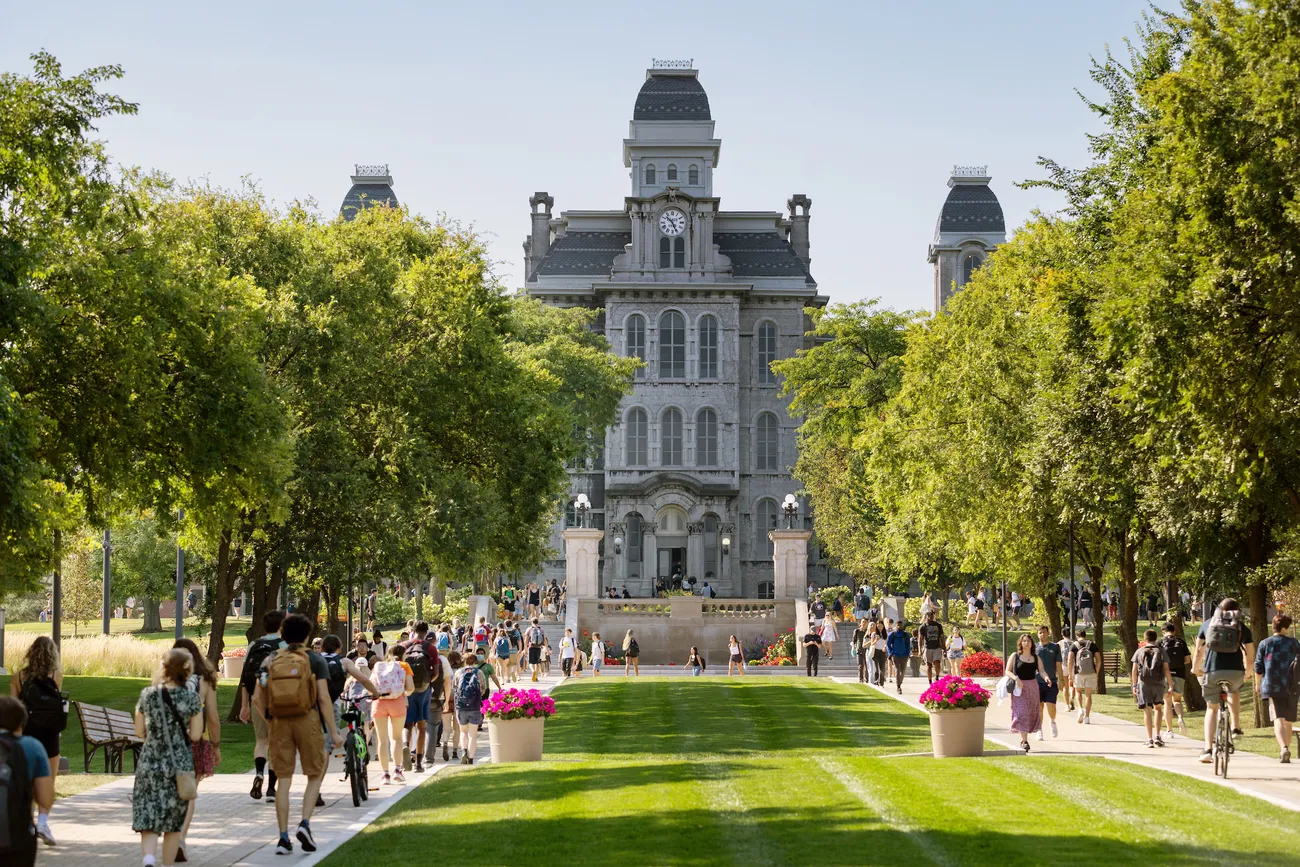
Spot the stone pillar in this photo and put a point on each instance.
(790, 563)
(695, 553)
(729, 568)
(649, 559)
(582, 562)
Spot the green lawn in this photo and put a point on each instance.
(791, 771)
(121, 693)
(234, 632)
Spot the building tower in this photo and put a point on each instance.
(969, 227)
(371, 185)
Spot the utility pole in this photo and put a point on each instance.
(180, 581)
(56, 594)
(1074, 605)
(108, 579)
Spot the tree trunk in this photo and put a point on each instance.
(1257, 593)
(333, 626)
(152, 619)
(222, 592)
(257, 585)
(1053, 609)
(1193, 698)
(275, 584)
(1128, 595)
(312, 611)
(437, 591)
(1098, 620)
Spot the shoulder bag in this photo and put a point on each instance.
(187, 786)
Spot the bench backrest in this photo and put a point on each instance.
(101, 725)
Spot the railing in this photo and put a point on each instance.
(375, 171)
(656, 63)
(627, 607)
(970, 171)
(741, 610)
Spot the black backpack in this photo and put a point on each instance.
(46, 709)
(17, 832)
(417, 656)
(338, 676)
(256, 654)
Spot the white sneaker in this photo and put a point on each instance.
(1038, 735)
(1080, 716)
(43, 831)
(1055, 733)
(1087, 720)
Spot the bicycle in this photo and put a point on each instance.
(1223, 745)
(355, 753)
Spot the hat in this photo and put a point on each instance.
(362, 664)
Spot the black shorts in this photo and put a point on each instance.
(534, 656)
(48, 739)
(1284, 707)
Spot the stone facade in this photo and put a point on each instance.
(970, 225)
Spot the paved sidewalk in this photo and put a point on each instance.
(1248, 773)
(230, 829)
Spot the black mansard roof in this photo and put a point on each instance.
(752, 254)
(971, 208)
(671, 97)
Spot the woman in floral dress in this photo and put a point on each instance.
(1025, 667)
(168, 718)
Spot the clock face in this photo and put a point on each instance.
(672, 222)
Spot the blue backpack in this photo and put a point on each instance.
(503, 648)
(469, 690)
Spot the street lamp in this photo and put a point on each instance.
(618, 544)
(584, 506)
(726, 545)
(791, 508)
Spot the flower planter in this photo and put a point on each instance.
(957, 732)
(232, 666)
(517, 740)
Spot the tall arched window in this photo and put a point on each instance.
(672, 172)
(665, 252)
(571, 514)
(706, 438)
(670, 455)
(636, 340)
(711, 562)
(649, 174)
(764, 520)
(679, 252)
(693, 175)
(672, 346)
(765, 442)
(766, 352)
(634, 547)
(969, 266)
(638, 438)
(708, 347)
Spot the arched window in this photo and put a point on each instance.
(672, 346)
(706, 438)
(766, 590)
(636, 341)
(708, 347)
(679, 252)
(665, 252)
(764, 520)
(711, 564)
(670, 455)
(638, 438)
(672, 172)
(969, 266)
(766, 352)
(634, 547)
(765, 442)
(693, 176)
(649, 174)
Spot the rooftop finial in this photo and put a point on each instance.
(656, 63)
(969, 175)
(373, 174)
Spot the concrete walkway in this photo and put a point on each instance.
(1248, 773)
(229, 828)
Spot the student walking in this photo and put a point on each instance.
(812, 649)
(860, 648)
(631, 655)
(207, 749)
(1049, 656)
(536, 640)
(1179, 657)
(735, 657)
(21, 851)
(930, 638)
(696, 662)
(470, 691)
(956, 651)
(568, 652)
(829, 636)
(899, 645)
(1083, 666)
(168, 718)
(39, 686)
(420, 653)
(395, 681)
(1222, 646)
(1150, 678)
(597, 654)
(879, 653)
(258, 651)
(1066, 644)
(1026, 668)
(1276, 679)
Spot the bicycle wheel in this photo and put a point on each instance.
(352, 767)
(1223, 742)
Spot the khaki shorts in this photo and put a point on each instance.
(298, 738)
(261, 730)
(1179, 684)
(1210, 681)
(1085, 681)
(933, 654)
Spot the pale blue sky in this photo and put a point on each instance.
(863, 106)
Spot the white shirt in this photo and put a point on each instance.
(566, 648)
(598, 650)
(956, 643)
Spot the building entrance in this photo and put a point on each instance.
(672, 561)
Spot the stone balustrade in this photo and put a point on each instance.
(666, 629)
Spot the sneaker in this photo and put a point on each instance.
(464, 760)
(1081, 717)
(320, 801)
(385, 780)
(305, 838)
(1159, 742)
(1236, 733)
(284, 847)
(1151, 745)
(419, 766)
(444, 753)
(1038, 735)
(1207, 756)
(900, 690)
(1087, 720)
(256, 792)
(1025, 746)
(471, 760)
(270, 796)
(398, 776)
(1055, 732)
(1286, 756)
(43, 831)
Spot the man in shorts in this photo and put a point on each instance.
(1150, 678)
(469, 693)
(1066, 645)
(1216, 662)
(296, 737)
(1179, 657)
(1276, 669)
(536, 640)
(421, 654)
(258, 650)
(930, 637)
(1049, 653)
(1085, 661)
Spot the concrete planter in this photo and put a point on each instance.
(516, 740)
(957, 732)
(232, 666)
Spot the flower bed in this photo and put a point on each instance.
(954, 693)
(982, 664)
(234, 652)
(518, 704)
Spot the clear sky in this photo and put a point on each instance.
(864, 106)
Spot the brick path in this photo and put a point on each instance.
(93, 829)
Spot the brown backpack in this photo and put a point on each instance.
(290, 684)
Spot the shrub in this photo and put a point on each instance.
(982, 664)
(26, 608)
(96, 655)
(954, 693)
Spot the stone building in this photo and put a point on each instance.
(371, 185)
(970, 225)
(690, 476)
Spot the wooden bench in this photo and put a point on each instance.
(112, 731)
(1112, 663)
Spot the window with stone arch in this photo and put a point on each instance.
(571, 518)
(670, 453)
(766, 449)
(706, 438)
(693, 176)
(969, 265)
(672, 172)
(636, 341)
(672, 345)
(766, 351)
(765, 518)
(649, 174)
(708, 347)
(634, 546)
(638, 438)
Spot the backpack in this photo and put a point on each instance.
(256, 654)
(290, 685)
(536, 637)
(480, 635)
(46, 710)
(469, 689)
(1223, 632)
(713, 594)
(389, 678)
(444, 642)
(417, 656)
(1151, 668)
(17, 832)
(503, 647)
(338, 676)
(1085, 662)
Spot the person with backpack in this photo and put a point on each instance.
(395, 681)
(169, 719)
(536, 640)
(1049, 654)
(1223, 644)
(421, 657)
(1179, 656)
(568, 652)
(470, 692)
(930, 637)
(258, 651)
(899, 645)
(517, 654)
(1150, 679)
(631, 655)
(858, 647)
(695, 662)
(444, 638)
(597, 654)
(818, 609)
(293, 693)
(25, 779)
(1066, 646)
(39, 686)
(502, 653)
(1277, 666)
(342, 672)
(439, 707)
(1085, 660)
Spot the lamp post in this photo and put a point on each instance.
(1074, 604)
(583, 506)
(791, 508)
(108, 578)
(726, 545)
(180, 581)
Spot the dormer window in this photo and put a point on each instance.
(672, 172)
(969, 265)
(693, 176)
(649, 174)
